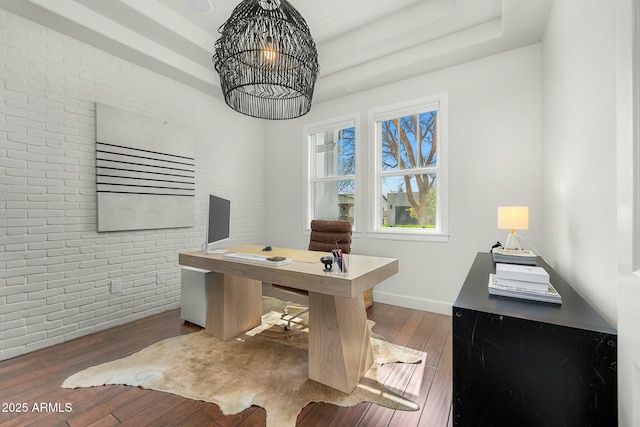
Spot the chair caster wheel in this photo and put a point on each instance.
(287, 327)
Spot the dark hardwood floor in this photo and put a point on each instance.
(29, 381)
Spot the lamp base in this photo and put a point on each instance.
(513, 242)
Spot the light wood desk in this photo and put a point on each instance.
(339, 342)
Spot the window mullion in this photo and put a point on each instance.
(403, 172)
(334, 178)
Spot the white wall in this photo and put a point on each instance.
(55, 269)
(494, 137)
(628, 120)
(579, 149)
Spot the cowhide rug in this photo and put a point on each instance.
(266, 367)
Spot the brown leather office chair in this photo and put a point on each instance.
(326, 236)
(329, 235)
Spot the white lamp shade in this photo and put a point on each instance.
(513, 217)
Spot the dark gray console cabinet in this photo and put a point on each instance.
(525, 363)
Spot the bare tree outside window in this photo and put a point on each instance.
(409, 161)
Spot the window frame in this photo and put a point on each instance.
(437, 102)
(310, 129)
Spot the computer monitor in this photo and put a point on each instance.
(218, 223)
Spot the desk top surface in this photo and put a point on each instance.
(573, 312)
(305, 272)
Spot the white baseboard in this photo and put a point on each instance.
(412, 302)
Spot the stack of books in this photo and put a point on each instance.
(513, 256)
(523, 281)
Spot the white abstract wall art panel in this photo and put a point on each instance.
(145, 172)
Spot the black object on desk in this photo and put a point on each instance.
(529, 363)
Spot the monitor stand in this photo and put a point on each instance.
(208, 249)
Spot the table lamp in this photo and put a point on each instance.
(513, 218)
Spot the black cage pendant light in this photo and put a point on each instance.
(267, 60)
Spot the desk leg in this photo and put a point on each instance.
(339, 342)
(234, 305)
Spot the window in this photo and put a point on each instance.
(410, 183)
(331, 171)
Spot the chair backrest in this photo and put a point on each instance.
(325, 235)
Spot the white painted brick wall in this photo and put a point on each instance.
(55, 269)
